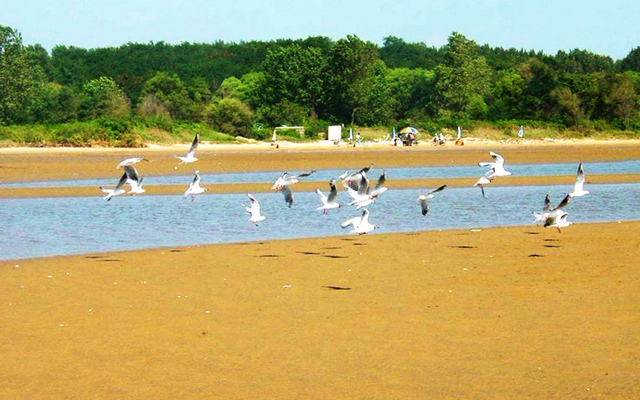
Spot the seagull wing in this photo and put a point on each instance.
(121, 182)
(131, 173)
(323, 197)
(333, 194)
(440, 189)
(194, 146)
(288, 195)
(381, 181)
(363, 187)
(579, 178)
(424, 204)
(499, 160)
(563, 203)
(306, 174)
(546, 205)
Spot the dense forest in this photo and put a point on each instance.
(75, 95)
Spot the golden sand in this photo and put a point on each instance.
(520, 312)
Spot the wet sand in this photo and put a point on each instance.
(520, 312)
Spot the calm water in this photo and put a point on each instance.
(618, 167)
(34, 227)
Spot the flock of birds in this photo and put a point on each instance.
(358, 187)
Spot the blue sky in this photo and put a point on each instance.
(602, 27)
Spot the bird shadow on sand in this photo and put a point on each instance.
(333, 256)
(309, 253)
(464, 247)
(336, 287)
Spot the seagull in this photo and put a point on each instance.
(134, 180)
(362, 194)
(194, 187)
(497, 165)
(191, 157)
(347, 178)
(361, 224)
(117, 191)
(254, 210)
(424, 199)
(542, 217)
(485, 180)
(578, 187)
(288, 180)
(557, 217)
(130, 161)
(328, 202)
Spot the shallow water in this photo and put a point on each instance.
(464, 171)
(35, 227)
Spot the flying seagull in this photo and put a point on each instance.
(578, 187)
(485, 180)
(284, 182)
(424, 199)
(117, 191)
(557, 217)
(254, 210)
(361, 224)
(194, 187)
(544, 214)
(497, 165)
(191, 154)
(287, 180)
(361, 192)
(134, 180)
(328, 201)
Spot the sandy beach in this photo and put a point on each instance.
(519, 312)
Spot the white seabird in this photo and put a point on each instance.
(329, 202)
(254, 210)
(497, 165)
(424, 199)
(578, 189)
(191, 154)
(134, 180)
(117, 191)
(485, 180)
(544, 214)
(361, 192)
(287, 180)
(194, 187)
(557, 217)
(361, 224)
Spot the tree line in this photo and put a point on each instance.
(241, 88)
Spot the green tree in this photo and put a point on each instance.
(230, 115)
(21, 78)
(294, 74)
(351, 77)
(171, 92)
(462, 78)
(103, 98)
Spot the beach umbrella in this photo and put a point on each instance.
(459, 133)
(409, 129)
(350, 134)
(521, 131)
